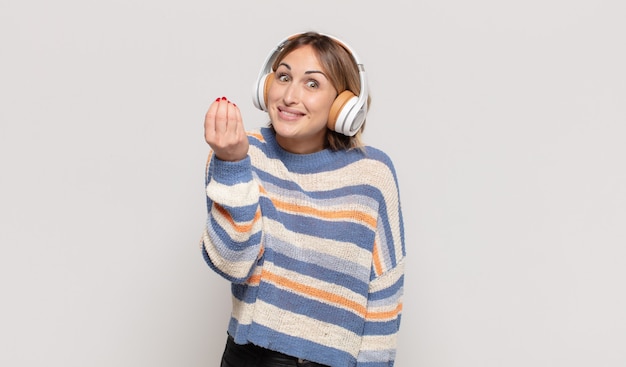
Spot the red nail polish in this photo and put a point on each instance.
(234, 104)
(217, 99)
(223, 98)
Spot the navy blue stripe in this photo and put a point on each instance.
(342, 231)
(295, 303)
(321, 273)
(242, 213)
(361, 189)
(389, 291)
(230, 173)
(381, 327)
(390, 243)
(376, 364)
(244, 292)
(226, 276)
(253, 240)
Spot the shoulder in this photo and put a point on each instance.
(376, 157)
(370, 166)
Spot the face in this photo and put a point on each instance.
(299, 101)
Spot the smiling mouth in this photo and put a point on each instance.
(289, 114)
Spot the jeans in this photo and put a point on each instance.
(250, 355)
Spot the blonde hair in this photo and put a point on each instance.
(342, 71)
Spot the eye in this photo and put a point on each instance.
(312, 84)
(282, 77)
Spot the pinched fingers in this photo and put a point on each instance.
(222, 119)
(213, 118)
(224, 131)
(238, 128)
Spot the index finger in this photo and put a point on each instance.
(209, 117)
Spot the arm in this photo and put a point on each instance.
(231, 242)
(384, 303)
(384, 310)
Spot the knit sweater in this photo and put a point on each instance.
(313, 245)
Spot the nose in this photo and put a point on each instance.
(292, 94)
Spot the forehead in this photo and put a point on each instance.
(302, 57)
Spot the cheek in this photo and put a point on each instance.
(323, 103)
(273, 92)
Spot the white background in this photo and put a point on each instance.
(505, 120)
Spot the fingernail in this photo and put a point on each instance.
(223, 98)
(234, 104)
(217, 99)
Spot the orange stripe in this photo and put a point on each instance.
(378, 268)
(241, 228)
(254, 280)
(386, 314)
(208, 162)
(314, 292)
(339, 214)
(257, 135)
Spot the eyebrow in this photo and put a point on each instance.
(306, 72)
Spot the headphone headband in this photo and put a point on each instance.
(348, 111)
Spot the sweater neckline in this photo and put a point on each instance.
(298, 162)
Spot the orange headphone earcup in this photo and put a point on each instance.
(269, 78)
(335, 109)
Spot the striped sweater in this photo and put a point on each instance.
(313, 245)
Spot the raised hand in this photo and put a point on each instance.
(224, 131)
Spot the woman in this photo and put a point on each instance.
(303, 219)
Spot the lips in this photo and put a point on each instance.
(289, 114)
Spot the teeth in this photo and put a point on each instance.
(291, 113)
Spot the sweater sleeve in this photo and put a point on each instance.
(384, 310)
(384, 302)
(232, 239)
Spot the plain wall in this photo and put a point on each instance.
(505, 120)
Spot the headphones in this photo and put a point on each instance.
(347, 112)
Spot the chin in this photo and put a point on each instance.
(284, 129)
